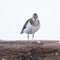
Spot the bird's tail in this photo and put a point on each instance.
(21, 32)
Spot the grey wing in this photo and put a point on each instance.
(24, 26)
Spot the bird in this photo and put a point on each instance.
(31, 26)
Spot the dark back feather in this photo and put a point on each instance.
(24, 26)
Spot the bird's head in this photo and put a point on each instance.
(35, 16)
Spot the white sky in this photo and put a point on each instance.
(14, 13)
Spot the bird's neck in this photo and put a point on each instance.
(34, 19)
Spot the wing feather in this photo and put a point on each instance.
(24, 26)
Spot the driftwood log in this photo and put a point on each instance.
(30, 50)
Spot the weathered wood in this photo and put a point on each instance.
(30, 50)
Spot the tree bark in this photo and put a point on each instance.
(30, 50)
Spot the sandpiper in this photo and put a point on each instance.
(31, 26)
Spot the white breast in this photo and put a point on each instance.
(31, 29)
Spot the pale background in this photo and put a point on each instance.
(14, 13)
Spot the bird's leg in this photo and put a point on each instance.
(28, 36)
(32, 36)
